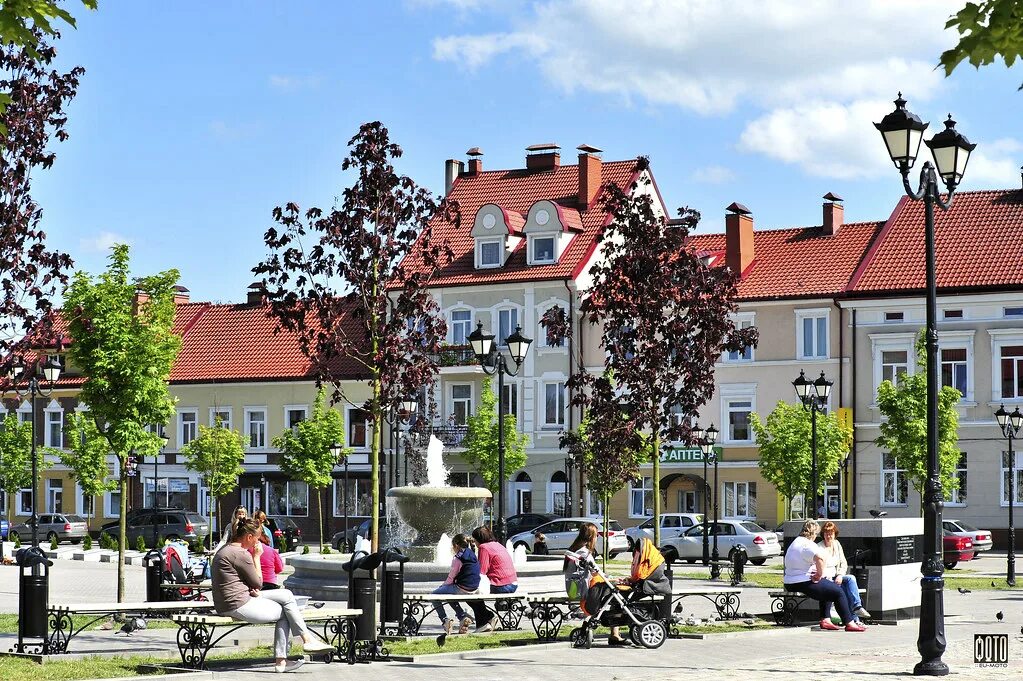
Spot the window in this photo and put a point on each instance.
(894, 316)
(1013, 311)
(1012, 371)
(461, 405)
(188, 422)
(958, 496)
(812, 334)
(221, 416)
(167, 492)
(54, 495)
(742, 321)
(358, 428)
(554, 404)
(255, 427)
(953, 369)
(594, 504)
(294, 415)
(542, 249)
(894, 363)
(739, 411)
(54, 426)
(894, 483)
(952, 314)
(461, 327)
(359, 497)
(288, 498)
(740, 500)
(641, 498)
(113, 509)
(542, 333)
(25, 413)
(507, 320)
(24, 502)
(510, 400)
(1017, 488)
(491, 252)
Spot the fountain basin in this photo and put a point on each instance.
(434, 511)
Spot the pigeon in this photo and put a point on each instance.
(441, 640)
(874, 513)
(132, 624)
(999, 616)
(1021, 630)
(964, 591)
(317, 604)
(992, 583)
(749, 623)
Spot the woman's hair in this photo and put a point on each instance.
(587, 537)
(235, 519)
(811, 529)
(234, 514)
(540, 536)
(483, 534)
(259, 515)
(829, 527)
(460, 541)
(244, 527)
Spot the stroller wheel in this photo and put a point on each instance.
(634, 635)
(650, 634)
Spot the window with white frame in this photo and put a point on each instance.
(358, 497)
(255, 427)
(25, 413)
(288, 498)
(461, 326)
(737, 418)
(954, 369)
(188, 426)
(113, 499)
(1017, 488)
(461, 404)
(958, 496)
(894, 483)
(952, 314)
(54, 426)
(812, 334)
(24, 502)
(1015, 311)
(507, 320)
(894, 316)
(894, 363)
(743, 320)
(222, 416)
(167, 492)
(893, 356)
(510, 400)
(541, 249)
(542, 332)
(641, 497)
(594, 504)
(359, 430)
(490, 252)
(1011, 365)
(294, 415)
(740, 499)
(554, 404)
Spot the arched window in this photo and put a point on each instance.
(559, 476)
(523, 477)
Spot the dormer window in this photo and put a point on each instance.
(496, 232)
(549, 229)
(542, 249)
(491, 252)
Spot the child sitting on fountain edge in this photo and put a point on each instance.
(463, 578)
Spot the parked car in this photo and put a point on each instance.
(5, 526)
(561, 532)
(283, 526)
(524, 522)
(956, 548)
(672, 525)
(981, 538)
(173, 525)
(760, 544)
(62, 526)
(132, 515)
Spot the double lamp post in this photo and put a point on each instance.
(1010, 425)
(814, 397)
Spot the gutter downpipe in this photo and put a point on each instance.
(852, 485)
(571, 374)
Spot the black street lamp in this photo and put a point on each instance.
(493, 362)
(1010, 425)
(161, 432)
(710, 436)
(401, 419)
(336, 452)
(814, 396)
(569, 466)
(49, 372)
(698, 434)
(902, 132)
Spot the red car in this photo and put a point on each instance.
(956, 548)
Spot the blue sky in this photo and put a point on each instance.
(195, 119)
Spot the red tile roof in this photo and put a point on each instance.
(796, 262)
(978, 245)
(517, 190)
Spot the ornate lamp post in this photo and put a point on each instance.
(1010, 425)
(814, 396)
(569, 466)
(337, 452)
(710, 436)
(698, 434)
(403, 419)
(161, 432)
(493, 362)
(902, 132)
(33, 387)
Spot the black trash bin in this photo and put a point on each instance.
(153, 561)
(362, 592)
(33, 594)
(393, 588)
(739, 558)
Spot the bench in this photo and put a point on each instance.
(61, 626)
(185, 592)
(197, 633)
(724, 598)
(786, 605)
(508, 608)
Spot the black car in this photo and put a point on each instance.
(283, 526)
(360, 530)
(134, 514)
(524, 522)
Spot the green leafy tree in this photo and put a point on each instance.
(123, 341)
(20, 20)
(903, 406)
(785, 453)
(481, 440)
(305, 452)
(16, 458)
(217, 455)
(85, 456)
(987, 30)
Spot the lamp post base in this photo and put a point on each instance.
(931, 642)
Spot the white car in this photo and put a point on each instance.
(562, 532)
(760, 544)
(672, 525)
(981, 538)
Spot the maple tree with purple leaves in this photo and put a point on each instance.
(351, 282)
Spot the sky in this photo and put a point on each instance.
(195, 119)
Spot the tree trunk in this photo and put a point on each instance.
(374, 462)
(319, 504)
(657, 485)
(122, 531)
(607, 501)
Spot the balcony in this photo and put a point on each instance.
(451, 436)
(454, 356)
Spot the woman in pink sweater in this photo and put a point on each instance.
(270, 563)
(496, 563)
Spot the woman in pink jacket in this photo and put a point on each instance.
(496, 563)
(270, 563)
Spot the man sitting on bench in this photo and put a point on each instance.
(804, 567)
(237, 579)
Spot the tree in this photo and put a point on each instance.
(30, 273)
(85, 455)
(664, 317)
(216, 455)
(481, 440)
(352, 284)
(903, 408)
(22, 22)
(16, 459)
(785, 451)
(122, 339)
(987, 30)
(306, 454)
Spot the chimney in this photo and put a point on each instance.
(255, 293)
(833, 213)
(589, 174)
(738, 237)
(452, 169)
(475, 162)
(1021, 173)
(140, 298)
(543, 156)
(180, 295)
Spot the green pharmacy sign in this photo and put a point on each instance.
(685, 455)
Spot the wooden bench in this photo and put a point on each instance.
(197, 634)
(508, 608)
(61, 625)
(786, 605)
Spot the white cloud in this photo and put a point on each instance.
(102, 242)
(713, 175)
(472, 52)
(995, 165)
(292, 83)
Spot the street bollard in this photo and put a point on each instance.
(739, 558)
(33, 597)
(153, 561)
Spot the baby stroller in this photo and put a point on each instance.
(177, 569)
(632, 605)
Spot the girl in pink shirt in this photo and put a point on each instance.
(271, 564)
(496, 563)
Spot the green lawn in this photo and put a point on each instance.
(9, 623)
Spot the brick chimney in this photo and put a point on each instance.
(833, 213)
(738, 237)
(545, 156)
(452, 169)
(254, 294)
(475, 162)
(181, 295)
(138, 300)
(589, 174)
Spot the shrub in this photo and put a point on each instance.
(87, 542)
(105, 541)
(305, 550)
(53, 543)
(140, 544)
(17, 541)
(282, 544)
(324, 549)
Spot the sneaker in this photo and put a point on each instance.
(486, 627)
(449, 624)
(289, 665)
(464, 627)
(619, 642)
(828, 626)
(317, 646)
(854, 626)
(862, 612)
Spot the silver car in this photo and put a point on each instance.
(760, 544)
(672, 525)
(562, 532)
(60, 526)
(981, 538)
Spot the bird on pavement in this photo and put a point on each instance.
(964, 591)
(878, 514)
(992, 583)
(749, 623)
(317, 604)
(132, 624)
(441, 640)
(999, 616)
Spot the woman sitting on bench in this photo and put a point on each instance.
(237, 579)
(804, 567)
